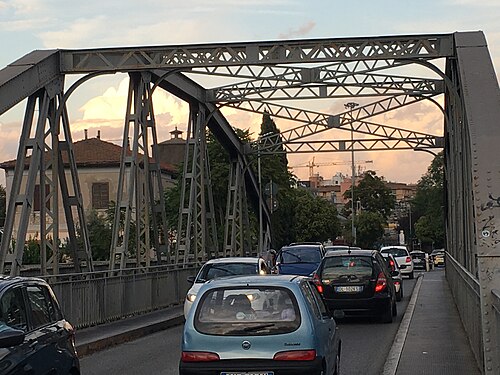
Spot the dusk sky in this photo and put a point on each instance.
(27, 25)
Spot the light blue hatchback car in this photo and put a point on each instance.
(259, 325)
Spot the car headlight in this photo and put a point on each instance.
(191, 297)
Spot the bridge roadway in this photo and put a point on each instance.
(426, 338)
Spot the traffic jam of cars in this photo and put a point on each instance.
(256, 316)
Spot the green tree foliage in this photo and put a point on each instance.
(100, 232)
(3, 205)
(374, 195)
(370, 229)
(428, 205)
(315, 219)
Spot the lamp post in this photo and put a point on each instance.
(351, 106)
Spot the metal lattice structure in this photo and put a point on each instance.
(292, 81)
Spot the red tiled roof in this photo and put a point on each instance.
(91, 152)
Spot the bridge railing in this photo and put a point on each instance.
(465, 289)
(496, 307)
(95, 298)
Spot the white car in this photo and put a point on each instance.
(402, 256)
(222, 267)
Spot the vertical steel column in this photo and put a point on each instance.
(234, 229)
(140, 190)
(480, 96)
(196, 235)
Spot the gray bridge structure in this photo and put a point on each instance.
(285, 79)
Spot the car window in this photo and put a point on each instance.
(213, 270)
(322, 307)
(250, 311)
(299, 254)
(395, 252)
(344, 267)
(13, 310)
(310, 300)
(42, 311)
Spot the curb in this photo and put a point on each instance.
(90, 347)
(392, 360)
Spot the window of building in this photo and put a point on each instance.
(37, 198)
(100, 195)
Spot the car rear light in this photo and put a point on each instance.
(199, 357)
(381, 283)
(296, 355)
(317, 282)
(408, 259)
(396, 282)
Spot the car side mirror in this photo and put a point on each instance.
(11, 337)
(338, 314)
(191, 279)
(394, 273)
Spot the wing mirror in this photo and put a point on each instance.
(191, 279)
(11, 337)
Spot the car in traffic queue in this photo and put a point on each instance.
(330, 248)
(267, 325)
(420, 259)
(299, 258)
(438, 257)
(357, 283)
(395, 271)
(402, 256)
(35, 338)
(222, 267)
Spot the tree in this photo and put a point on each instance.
(374, 195)
(428, 204)
(370, 229)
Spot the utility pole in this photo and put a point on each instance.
(351, 106)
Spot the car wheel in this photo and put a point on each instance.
(337, 364)
(387, 315)
(412, 275)
(399, 295)
(394, 309)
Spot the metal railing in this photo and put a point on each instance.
(496, 308)
(465, 289)
(95, 298)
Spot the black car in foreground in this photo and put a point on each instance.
(357, 283)
(34, 336)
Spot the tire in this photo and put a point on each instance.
(387, 315)
(412, 275)
(394, 309)
(399, 295)
(337, 364)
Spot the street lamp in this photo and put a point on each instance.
(350, 106)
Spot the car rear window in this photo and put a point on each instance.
(211, 271)
(250, 311)
(396, 252)
(339, 267)
(299, 254)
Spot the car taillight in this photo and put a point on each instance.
(391, 263)
(296, 355)
(317, 282)
(381, 283)
(408, 259)
(199, 357)
(396, 282)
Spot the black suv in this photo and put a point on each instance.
(34, 336)
(357, 283)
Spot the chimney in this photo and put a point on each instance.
(86, 134)
(98, 134)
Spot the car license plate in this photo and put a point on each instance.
(348, 289)
(249, 373)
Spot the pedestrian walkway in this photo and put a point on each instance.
(431, 339)
(436, 342)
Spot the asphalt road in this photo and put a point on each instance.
(365, 345)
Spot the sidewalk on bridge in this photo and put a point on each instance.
(92, 339)
(435, 342)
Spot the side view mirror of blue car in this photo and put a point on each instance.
(11, 337)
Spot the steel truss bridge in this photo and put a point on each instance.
(290, 80)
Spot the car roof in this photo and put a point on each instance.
(247, 280)
(7, 281)
(417, 252)
(394, 247)
(234, 260)
(302, 245)
(358, 252)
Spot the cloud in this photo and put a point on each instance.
(301, 31)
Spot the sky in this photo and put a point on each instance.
(27, 25)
